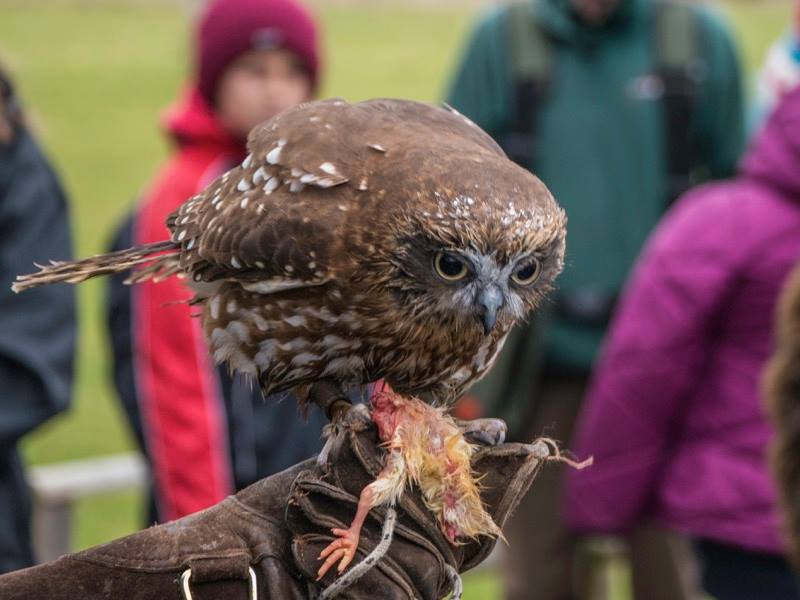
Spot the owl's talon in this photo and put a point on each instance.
(341, 550)
(358, 418)
(339, 410)
(486, 432)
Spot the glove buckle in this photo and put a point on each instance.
(187, 592)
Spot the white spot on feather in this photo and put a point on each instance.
(348, 367)
(328, 168)
(274, 155)
(213, 306)
(240, 330)
(259, 175)
(272, 184)
(272, 286)
(296, 321)
(325, 182)
(304, 358)
(294, 345)
(334, 342)
(261, 323)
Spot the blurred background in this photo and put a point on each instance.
(95, 75)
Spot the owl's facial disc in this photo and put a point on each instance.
(481, 287)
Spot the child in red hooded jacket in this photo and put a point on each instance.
(204, 432)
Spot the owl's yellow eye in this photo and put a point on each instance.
(527, 272)
(449, 266)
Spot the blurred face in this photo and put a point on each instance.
(258, 85)
(595, 12)
(797, 17)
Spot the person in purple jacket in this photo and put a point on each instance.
(674, 418)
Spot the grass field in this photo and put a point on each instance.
(95, 75)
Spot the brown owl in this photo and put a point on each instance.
(386, 239)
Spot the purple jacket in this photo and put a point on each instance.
(673, 417)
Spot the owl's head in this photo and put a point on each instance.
(474, 239)
(480, 249)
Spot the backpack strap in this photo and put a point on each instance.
(529, 51)
(681, 69)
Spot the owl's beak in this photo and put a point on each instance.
(489, 301)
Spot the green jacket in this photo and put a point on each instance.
(600, 139)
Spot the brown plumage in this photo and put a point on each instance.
(385, 239)
(781, 388)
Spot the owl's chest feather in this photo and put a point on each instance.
(449, 368)
(287, 343)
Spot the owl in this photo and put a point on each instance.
(387, 239)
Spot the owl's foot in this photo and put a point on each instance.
(341, 550)
(358, 418)
(355, 417)
(486, 432)
(330, 397)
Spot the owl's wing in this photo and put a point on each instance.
(276, 220)
(282, 217)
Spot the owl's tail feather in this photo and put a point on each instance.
(781, 389)
(162, 255)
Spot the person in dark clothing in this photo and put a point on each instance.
(205, 433)
(37, 332)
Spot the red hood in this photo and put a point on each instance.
(191, 122)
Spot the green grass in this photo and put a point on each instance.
(95, 75)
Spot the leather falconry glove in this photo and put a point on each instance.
(264, 542)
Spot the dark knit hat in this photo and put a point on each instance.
(229, 28)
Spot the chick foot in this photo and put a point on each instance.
(341, 550)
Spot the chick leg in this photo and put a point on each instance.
(387, 488)
(343, 548)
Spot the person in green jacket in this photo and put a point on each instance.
(618, 106)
